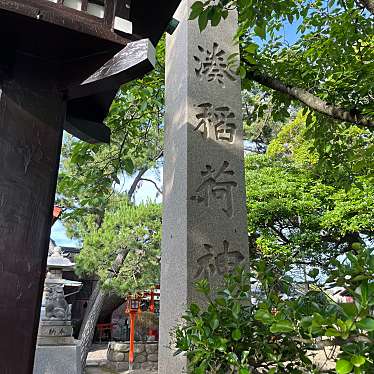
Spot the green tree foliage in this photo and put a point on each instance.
(259, 126)
(299, 208)
(134, 230)
(280, 333)
(310, 192)
(91, 173)
(120, 240)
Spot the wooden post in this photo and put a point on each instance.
(31, 120)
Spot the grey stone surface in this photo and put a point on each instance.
(151, 347)
(55, 329)
(153, 357)
(121, 347)
(147, 366)
(109, 355)
(118, 366)
(139, 348)
(55, 340)
(204, 215)
(118, 356)
(55, 323)
(108, 371)
(55, 333)
(140, 358)
(57, 360)
(145, 354)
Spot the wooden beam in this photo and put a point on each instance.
(110, 9)
(88, 131)
(150, 20)
(133, 61)
(84, 5)
(58, 14)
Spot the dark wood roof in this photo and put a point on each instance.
(149, 19)
(76, 45)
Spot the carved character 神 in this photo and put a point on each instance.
(222, 263)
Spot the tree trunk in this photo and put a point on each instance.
(94, 307)
(91, 317)
(368, 4)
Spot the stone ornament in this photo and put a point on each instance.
(56, 307)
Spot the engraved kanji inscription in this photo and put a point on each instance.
(217, 186)
(221, 263)
(57, 331)
(52, 332)
(212, 65)
(216, 123)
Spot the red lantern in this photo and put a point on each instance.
(132, 308)
(152, 303)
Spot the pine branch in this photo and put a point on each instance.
(140, 174)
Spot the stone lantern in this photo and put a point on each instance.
(55, 341)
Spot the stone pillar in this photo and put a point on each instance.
(31, 119)
(204, 223)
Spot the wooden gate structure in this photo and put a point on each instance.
(61, 64)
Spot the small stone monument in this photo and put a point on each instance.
(57, 352)
(204, 216)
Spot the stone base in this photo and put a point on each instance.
(55, 333)
(146, 356)
(57, 360)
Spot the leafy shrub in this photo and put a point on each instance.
(278, 333)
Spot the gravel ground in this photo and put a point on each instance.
(99, 370)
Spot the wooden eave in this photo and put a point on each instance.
(75, 45)
(150, 18)
(57, 14)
